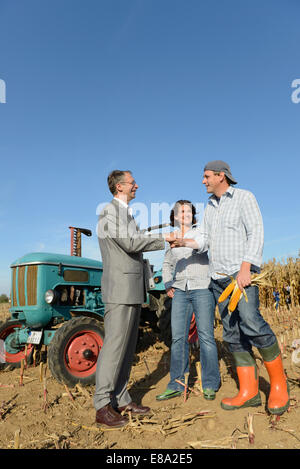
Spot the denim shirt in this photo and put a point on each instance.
(185, 268)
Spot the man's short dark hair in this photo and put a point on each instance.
(217, 173)
(114, 178)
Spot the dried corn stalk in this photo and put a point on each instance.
(166, 426)
(284, 277)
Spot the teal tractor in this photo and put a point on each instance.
(157, 310)
(56, 302)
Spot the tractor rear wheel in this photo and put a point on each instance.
(74, 349)
(163, 313)
(164, 322)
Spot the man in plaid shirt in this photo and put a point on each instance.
(232, 231)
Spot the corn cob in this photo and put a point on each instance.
(227, 291)
(235, 298)
(256, 279)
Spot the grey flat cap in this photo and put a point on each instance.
(220, 166)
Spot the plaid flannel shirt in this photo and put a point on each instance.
(232, 230)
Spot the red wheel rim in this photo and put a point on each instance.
(81, 353)
(14, 357)
(193, 333)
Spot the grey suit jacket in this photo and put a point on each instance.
(121, 244)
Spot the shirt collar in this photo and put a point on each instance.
(124, 205)
(214, 200)
(230, 190)
(193, 227)
(121, 202)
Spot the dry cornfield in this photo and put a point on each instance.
(37, 412)
(284, 277)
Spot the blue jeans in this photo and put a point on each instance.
(202, 304)
(245, 327)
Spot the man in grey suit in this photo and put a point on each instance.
(123, 291)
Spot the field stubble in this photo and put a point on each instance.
(38, 412)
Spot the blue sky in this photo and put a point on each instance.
(156, 86)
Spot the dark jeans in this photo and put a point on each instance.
(245, 327)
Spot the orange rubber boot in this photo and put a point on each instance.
(248, 395)
(279, 400)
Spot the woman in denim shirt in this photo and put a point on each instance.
(186, 278)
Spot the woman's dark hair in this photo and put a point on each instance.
(174, 211)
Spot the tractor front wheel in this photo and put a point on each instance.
(74, 349)
(11, 356)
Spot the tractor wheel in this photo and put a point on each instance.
(164, 319)
(12, 358)
(164, 322)
(74, 349)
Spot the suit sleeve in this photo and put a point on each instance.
(126, 235)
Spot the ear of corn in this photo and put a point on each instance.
(264, 281)
(227, 291)
(235, 298)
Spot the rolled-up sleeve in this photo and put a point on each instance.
(253, 223)
(201, 237)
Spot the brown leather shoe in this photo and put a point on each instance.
(134, 409)
(108, 417)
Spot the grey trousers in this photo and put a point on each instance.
(114, 363)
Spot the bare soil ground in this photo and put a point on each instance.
(48, 415)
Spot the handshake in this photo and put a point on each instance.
(175, 239)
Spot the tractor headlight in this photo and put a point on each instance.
(50, 296)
